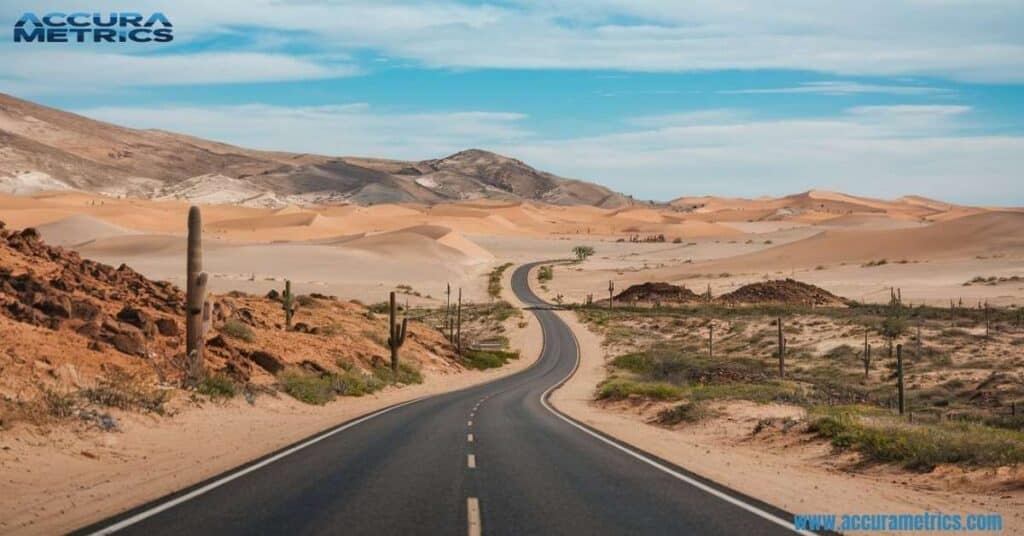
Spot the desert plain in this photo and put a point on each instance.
(62, 470)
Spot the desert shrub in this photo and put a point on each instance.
(582, 252)
(407, 374)
(485, 359)
(688, 412)
(239, 330)
(843, 353)
(618, 389)
(355, 383)
(217, 386)
(892, 327)
(124, 391)
(308, 388)
(545, 274)
(332, 330)
(57, 404)
(305, 300)
(921, 446)
(494, 280)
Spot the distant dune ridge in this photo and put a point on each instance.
(47, 149)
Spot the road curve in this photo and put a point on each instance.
(493, 458)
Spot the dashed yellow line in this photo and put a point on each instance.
(471, 461)
(473, 516)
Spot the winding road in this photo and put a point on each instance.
(491, 459)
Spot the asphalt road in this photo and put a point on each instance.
(492, 458)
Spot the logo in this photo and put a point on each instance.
(81, 27)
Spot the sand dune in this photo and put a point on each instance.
(423, 242)
(80, 229)
(996, 233)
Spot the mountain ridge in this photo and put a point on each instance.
(43, 148)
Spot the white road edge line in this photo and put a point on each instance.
(668, 470)
(473, 516)
(471, 461)
(110, 529)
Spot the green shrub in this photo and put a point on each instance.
(618, 389)
(919, 446)
(545, 274)
(494, 280)
(217, 386)
(308, 388)
(408, 374)
(485, 359)
(239, 330)
(355, 383)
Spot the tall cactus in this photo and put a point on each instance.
(458, 328)
(899, 376)
(396, 332)
(866, 356)
(196, 308)
(611, 294)
(288, 304)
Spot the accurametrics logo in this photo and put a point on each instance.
(82, 27)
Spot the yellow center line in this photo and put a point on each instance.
(471, 461)
(473, 516)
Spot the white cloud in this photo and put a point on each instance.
(976, 41)
(352, 129)
(875, 151)
(91, 69)
(881, 150)
(842, 88)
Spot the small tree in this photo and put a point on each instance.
(582, 252)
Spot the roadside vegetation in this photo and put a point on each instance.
(494, 280)
(321, 388)
(964, 393)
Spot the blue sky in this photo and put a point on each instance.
(654, 98)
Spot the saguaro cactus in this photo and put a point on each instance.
(611, 294)
(458, 325)
(396, 332)
(197, 311)
(782, 349)
(899, 376)
(711, 340)
(288, 304)
(867, 354)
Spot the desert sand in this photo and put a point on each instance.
(930, 248)
(931, 251)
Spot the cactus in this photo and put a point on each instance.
(711, 340)
(396, 332)
(288, 304)
(611, 294)
(458, 325)
(782, 349)
(197, 311)
(899, 376)
(867, 354)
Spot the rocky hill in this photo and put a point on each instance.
(43, 148)
(72, 325)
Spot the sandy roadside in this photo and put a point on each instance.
(782, 478)
(57, 481)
